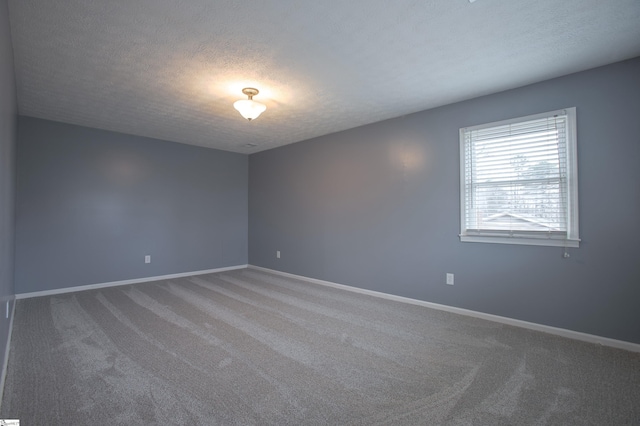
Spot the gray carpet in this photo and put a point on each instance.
(252, 348)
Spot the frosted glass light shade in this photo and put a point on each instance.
(249, 108)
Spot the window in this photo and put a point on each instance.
(519, 181)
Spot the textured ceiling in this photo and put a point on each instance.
(171, 69)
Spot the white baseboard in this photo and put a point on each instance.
(125, 282)
(576, 335)
(7, 349)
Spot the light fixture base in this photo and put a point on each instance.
(250, 92)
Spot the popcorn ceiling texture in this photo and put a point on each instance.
(172, 69)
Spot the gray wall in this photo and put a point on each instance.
(8, 139)
(377, 207)
(91, 204)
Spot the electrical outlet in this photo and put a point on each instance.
(278, 254)
(147, 259)
(449, 279)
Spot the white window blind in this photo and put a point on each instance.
(519, 181)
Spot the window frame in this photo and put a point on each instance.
(570, 238)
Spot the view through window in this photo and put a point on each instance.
(519, 181)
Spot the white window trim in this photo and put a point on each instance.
(571, 238)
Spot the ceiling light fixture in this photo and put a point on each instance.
(249, 108)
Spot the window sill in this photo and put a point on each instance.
(528, 241)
